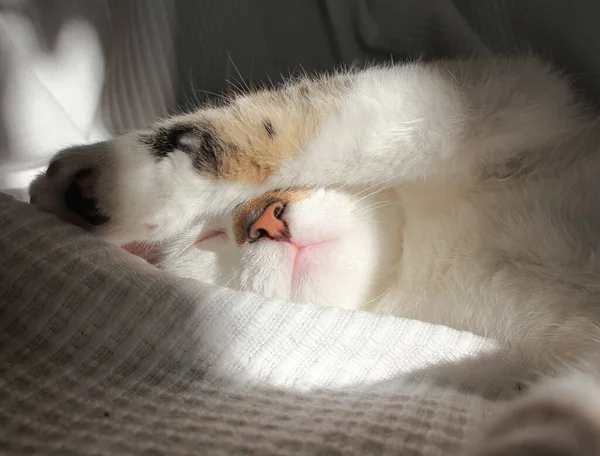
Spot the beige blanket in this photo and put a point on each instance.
(101, 353)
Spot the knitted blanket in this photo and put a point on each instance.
(101, 353)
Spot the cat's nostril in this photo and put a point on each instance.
(255, 235)
(80, 197)
(270, 224)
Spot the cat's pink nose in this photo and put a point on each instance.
(270, 224)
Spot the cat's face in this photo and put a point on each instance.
(324, 246)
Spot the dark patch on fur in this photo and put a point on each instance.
(304, 91)
(509, 169)
(198, 141)
(205, 151)
(86, 208)
(163, 141)
(269, 128)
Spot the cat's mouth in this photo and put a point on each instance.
(213, 233)
(304, 256)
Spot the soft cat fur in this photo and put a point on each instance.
(458, 192)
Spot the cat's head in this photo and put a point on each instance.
(324, 246)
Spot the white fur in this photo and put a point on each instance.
(490, 223)
(345, 250)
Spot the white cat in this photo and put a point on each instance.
(457, 192)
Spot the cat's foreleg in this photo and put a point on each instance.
(376, 128)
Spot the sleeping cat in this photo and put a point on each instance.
(458, 192)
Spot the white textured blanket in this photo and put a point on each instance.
(101, 353)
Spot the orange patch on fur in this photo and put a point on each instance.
(254, 134)
(260, 131)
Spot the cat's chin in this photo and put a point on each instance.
(332, 271)
(312, 266)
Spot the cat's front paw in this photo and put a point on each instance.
(69, 187)
(561, 418)
(97, 188)
(119, 191)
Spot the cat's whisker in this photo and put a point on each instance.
(364, 305)
(367, 193)
(245, 85)
(373, 189)
(377, 205)
(231, 279)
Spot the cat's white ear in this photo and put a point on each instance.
(558, 418)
